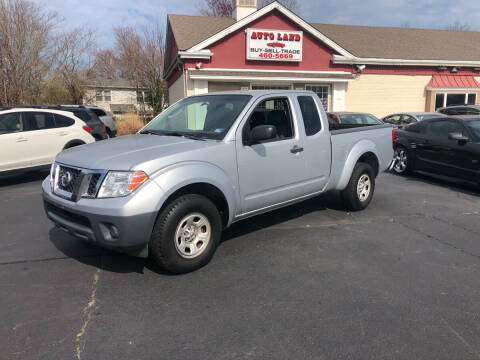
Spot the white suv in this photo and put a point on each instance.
(32, 137)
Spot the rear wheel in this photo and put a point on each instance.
(401, 161)
(359, 191)
(186, 234)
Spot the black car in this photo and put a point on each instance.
(97, 128)
(460, 110)
(448, 146)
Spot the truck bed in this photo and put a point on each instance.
(346, 139)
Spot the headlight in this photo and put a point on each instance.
(53, 170)
(121, 183)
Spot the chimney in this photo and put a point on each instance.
(243, 8)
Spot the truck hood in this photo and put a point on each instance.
(128, 152)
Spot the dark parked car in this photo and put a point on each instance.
(352, 118)
(97, 127)
(448, 146)
(460, 110)
(401, 119)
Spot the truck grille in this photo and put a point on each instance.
(74, 183)
(68, 178)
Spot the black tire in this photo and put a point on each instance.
(163, 249)
(402, 161)
(353, 200)
(109, 134)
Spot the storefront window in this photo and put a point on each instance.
(452, 99)
(270, 87)
(323, 92)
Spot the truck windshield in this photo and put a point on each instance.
(206, 116)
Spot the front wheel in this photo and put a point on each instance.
(186, 234)
(359, 191)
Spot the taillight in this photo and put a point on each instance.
(87, 129)
(394, 138)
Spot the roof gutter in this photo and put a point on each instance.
(339, 59)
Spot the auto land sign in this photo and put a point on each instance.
(274, 45)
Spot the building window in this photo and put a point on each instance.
(452, 99)
(323, 92)
(103, 96)
(143, 97)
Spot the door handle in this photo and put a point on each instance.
(21, 139)
(63, 133)
(296, 149)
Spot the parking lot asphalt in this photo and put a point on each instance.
(400, 280)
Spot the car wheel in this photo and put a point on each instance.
(401, 162)
(359, 191)
(186, 234)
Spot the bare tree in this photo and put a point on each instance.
(72, 65)
(105, 64)
(140, 59)
(292, 5)
(25, 50)
(458, 26)
(219, 8)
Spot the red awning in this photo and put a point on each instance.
(453, 81)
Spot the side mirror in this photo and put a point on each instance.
(462, 140)
(262, 133)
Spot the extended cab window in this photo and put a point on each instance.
(311, 119)
(10, 123)
(38, 120)
(274, 112)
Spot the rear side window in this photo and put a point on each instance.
(10, 123)
(63, 121)
(418, 128)
(98, 112)
(310, 116)
(393, 119)
(442, 128)
(84, 115)
(38, 120)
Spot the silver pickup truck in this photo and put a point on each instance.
(205, 163)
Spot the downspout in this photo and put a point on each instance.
(184, 81)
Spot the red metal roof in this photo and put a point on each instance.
(453, 81)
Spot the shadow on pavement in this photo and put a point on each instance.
(22, 178)
(458, 185)
(105, 259)
(327, 201)
(109, 260)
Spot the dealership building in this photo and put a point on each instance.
(380, 70)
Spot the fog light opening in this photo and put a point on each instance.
(113, 231)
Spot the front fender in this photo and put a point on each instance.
(179, 175)
(360, 148)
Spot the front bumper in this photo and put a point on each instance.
(122, 224)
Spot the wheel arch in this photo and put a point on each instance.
(202, 179)
(72, 143)
(364, 151)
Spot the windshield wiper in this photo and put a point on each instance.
(150, 132)
(179, 134)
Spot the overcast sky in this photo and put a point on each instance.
(103, 15)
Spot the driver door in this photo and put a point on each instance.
(273, 171)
